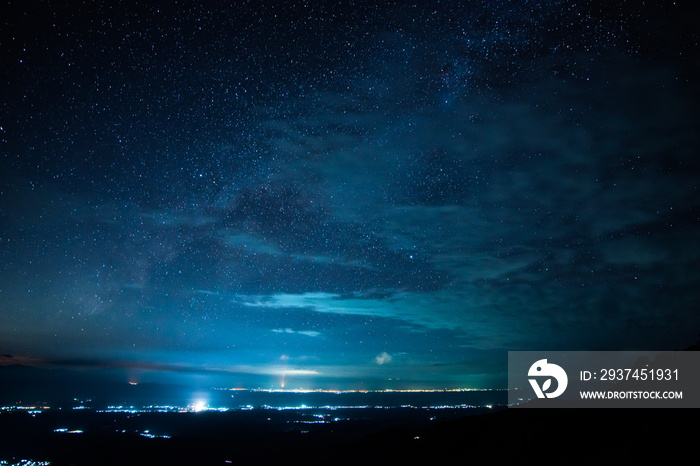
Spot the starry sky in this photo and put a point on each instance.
(345, 195)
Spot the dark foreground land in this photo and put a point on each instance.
(551, 436)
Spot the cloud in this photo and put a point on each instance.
(292, 372)
(308, 333)
(469, 309)
(97, 364)
(383, 358)
(10, 360)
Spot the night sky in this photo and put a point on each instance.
(345, 195)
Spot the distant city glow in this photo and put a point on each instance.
(199, 406)
(148, 434)
(25, 463)
(63, 430)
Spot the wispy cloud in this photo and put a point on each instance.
(289, 331)
(82, 363)
(477, 313)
